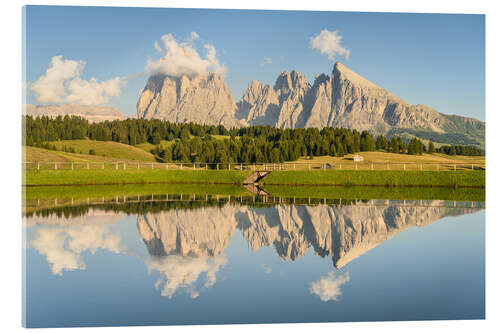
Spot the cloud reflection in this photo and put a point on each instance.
(328, 287)
(63, 247)
(178, 272)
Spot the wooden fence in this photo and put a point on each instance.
(347, 165)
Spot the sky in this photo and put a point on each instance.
(104, 55)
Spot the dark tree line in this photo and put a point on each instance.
(190, 142)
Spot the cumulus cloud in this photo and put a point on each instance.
(62, 83)
(181, 58)
(329, 43)
(266, 61)
(328, 287)
(178, 272)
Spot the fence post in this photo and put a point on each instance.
(38, 166)
(293, 166)
(138, 165)
(55, 165)
(124, 165)
(217, 165)
(372, 165)
(71, 165)
(324, 166)
(116, 165)
(229, 166)
(340, 166)
(88, 165)
(472, 167)
(103, 166)
(404, 166)
(152, 166)
(356, 164)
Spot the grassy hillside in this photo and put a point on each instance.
(458, 133)
(383, 157)
(380, 160)
(147, 147)
(105, 151)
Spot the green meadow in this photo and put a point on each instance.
(394, 178)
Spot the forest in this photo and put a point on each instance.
(190, 142)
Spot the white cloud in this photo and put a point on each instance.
(193, 36)
(158, 47)
(181, 58)
(50, 87)
(328, 287)
(178, 272)
(62, 83)
(329, 43)
(266, 61)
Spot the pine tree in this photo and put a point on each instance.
(431, 149)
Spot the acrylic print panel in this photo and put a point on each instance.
(196, 166)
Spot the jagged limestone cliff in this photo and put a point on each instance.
(344, 99)
(200, 99)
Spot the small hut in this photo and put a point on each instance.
(358, 158)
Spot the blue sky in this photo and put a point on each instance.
(432, 59)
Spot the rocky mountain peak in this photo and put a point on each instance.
(344, 99)
(288, 81)
(342, 73)
(204, 99)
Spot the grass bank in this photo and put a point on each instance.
(451, 179)
(378, 178)
(131, 176)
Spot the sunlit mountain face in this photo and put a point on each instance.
(181, 251)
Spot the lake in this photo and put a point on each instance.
(215, 259)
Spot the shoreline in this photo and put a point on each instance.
(361, 178)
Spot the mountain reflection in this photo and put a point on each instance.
(342, 232)
(185, 244)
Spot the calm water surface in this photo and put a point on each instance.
(210, 261)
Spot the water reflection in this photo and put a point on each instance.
(328, 287)
(186, 241)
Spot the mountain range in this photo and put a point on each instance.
(91, 112)
(344, 99)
